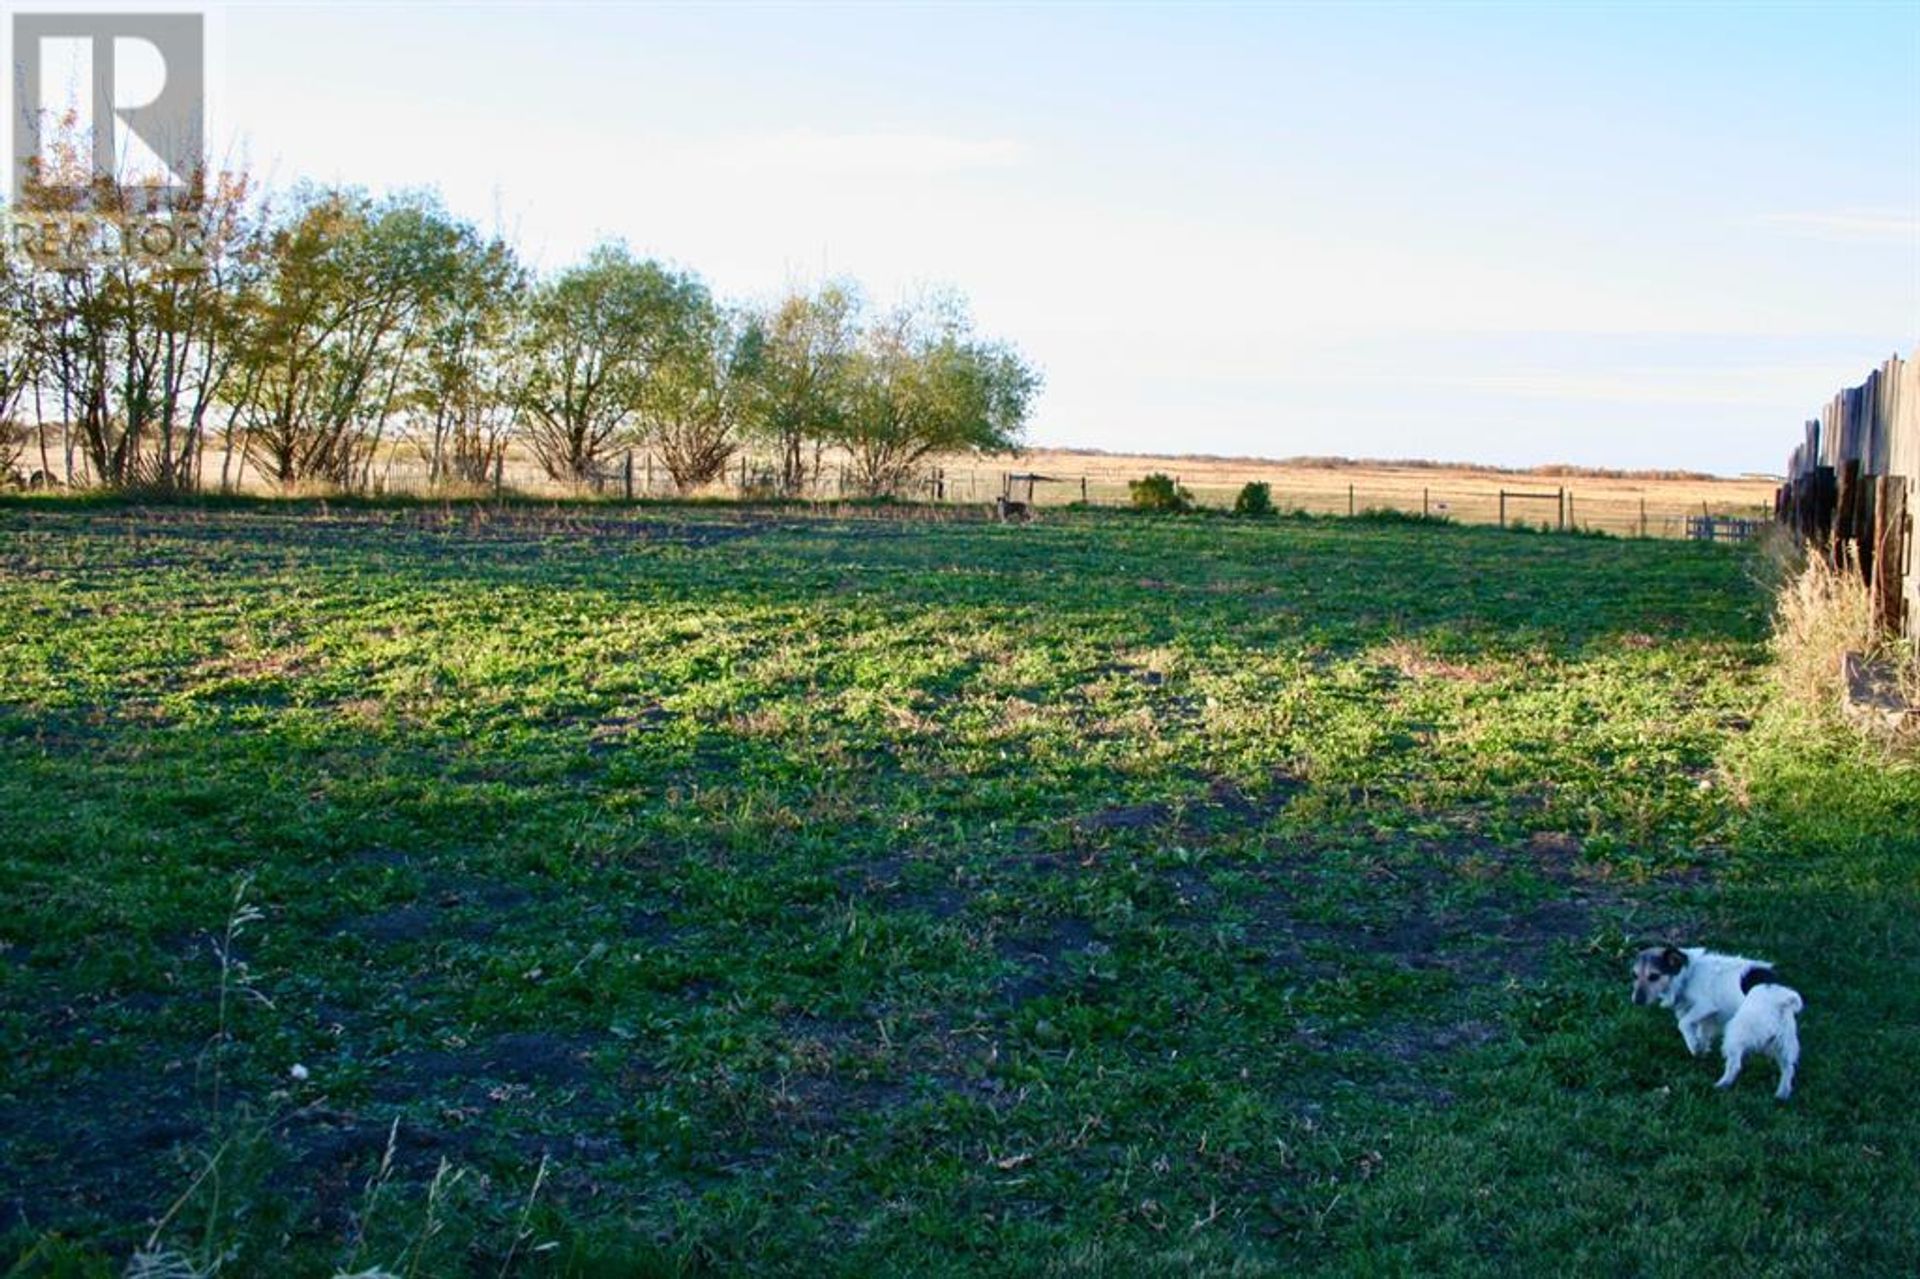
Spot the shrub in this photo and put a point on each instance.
(1256, 498)
(1159, 493)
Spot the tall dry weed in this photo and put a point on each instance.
(1823, 611)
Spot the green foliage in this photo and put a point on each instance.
(1119, 895)
(801, 364)
(1255, 498)
(596, 334)
(352, 289)
(1158, 492)
(919, 384)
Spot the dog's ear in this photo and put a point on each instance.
(1672, 960)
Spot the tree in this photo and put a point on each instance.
(594, 336)
(463, 398)
(922, 384)
(135, 339)
(351, 287)
(801, 377)
(694, 399)
(19, 357)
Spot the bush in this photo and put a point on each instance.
(1256, 498)
(1159, 493)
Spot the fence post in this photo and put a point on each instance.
(499, 474)
(1643, 516)
(1349, 501)
(1563, 508)
(649, 475)
(1083, 490)
(1570, 520)
(1503, 508)
(1423, 503)
(629, 475)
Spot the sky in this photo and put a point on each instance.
(1621, 235)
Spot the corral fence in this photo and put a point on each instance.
(1850, 487)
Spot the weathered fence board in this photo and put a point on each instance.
(1849, 486)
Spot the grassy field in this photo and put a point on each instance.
(685, 890)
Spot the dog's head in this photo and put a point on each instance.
(1654, 972)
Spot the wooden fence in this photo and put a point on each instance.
(1850, 487)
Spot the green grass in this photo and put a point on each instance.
(1112, 895)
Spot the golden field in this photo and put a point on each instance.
(1617, 503)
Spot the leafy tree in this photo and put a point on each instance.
(352, 287)
(464, 394)
(595, 335)
(922, 384)
(695, 398)
(801, 377)
(137, 344)
(19, 357)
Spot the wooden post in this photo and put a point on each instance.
(649, 475)
(1570, 522)
(1846, 500)
(743, 473)
(1349, 501)
(499, 474)
(1083, 490)
(1562, 502)
(1889, 551)
(1643, 515)
(629, 475)
(1503, 508)
(1423, 503)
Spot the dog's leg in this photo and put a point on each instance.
(1789, 1053)
(1736, 1054)
(1698, 1031)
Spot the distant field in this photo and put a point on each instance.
(700, 891)
(1655, 507)
(1464, 494)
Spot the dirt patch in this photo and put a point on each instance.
(1227, 807)
(1043, 959)
(1125, 817)
(446, 909)
(533, 1059)
(617, 732)
(108, 1145)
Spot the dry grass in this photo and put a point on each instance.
(1823, 612)
(1640, 503)
(1467, 494)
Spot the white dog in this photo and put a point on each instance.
(1765, 1024)
(1703, 989)
(1708, 992)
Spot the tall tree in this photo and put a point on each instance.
(694, 399)
(922, 384)
(19, 357)
(351, 287)
(463, 397)
(136, 335)
(801, 377)
(594, 336)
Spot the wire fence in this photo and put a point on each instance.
(1651, 508)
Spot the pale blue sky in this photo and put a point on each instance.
(1616, 235)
